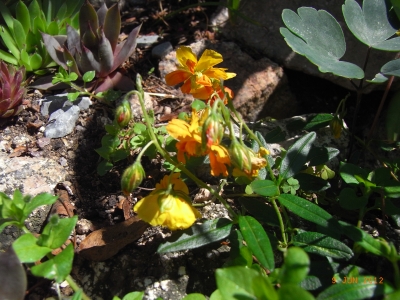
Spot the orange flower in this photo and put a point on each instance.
(197, 75)
(189, 143)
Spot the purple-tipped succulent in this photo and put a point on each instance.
(96, 47)
(12, 90)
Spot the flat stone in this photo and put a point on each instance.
(65, 119)
(147, 40)
(260, 86)
(31, 175)
(161, 50)
(52, 103)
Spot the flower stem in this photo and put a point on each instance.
(75, 287)
(281, 225)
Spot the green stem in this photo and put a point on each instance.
(166, 155)
(281, 225)
(75, 287)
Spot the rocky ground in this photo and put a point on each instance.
(66, 166)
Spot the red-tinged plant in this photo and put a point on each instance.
(95, 48)
(12, 90)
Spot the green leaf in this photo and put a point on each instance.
(7, 57)
(139, 128)
(194, 296)
(198, 105)
(22, 15)
(347, 172)
(393, 116)
(309, 211)
(349, 200)
(57, 231)
(35, 61)
(240, 254)
(19, 34)
(73, 96)
(197, 235)
(318, 121)
(53, 28)
(243, 283)
(370, 24)
(88, 76)
(295, 267)
(355, 290)
(134, 296)
(57, 268)
(257, 240)
(319, 37)
(315, 242)
(292, 291)
(296, 156)
(27, 249)
(9, 42)
(13, 277)
(266, 188)
(311, 183)
(276, 135)
(37, 201)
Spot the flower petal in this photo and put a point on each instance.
(176, 77)
(178, 129)
(208, 59)
(183, 54)
(219, 73)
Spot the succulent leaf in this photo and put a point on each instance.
(106, 57)
(70, 61)
(19, 34)
(90, 39)
(101, 13)
(112, 25)
(126, 48)
(88, 19)
(55, 49)
(22, 14)
(73, 41)
(88, 61)
(34, 11)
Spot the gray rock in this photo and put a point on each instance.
(267, 40)
(52, 103)
(161, 50)
(260, 86)
(147, 40)
(65, 119)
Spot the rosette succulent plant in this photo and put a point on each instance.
(95, 48)
(20, 35)
(12, 90)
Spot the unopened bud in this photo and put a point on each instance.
(123, 113)
(240, 156)
(336, 126)
(213, 130)
(132, 178)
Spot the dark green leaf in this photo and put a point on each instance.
(240, 254)
(296, 156)
(349, 200)
(315, 242)
(243, 283)
(347, 172)
(22, 15)
(260, 210)
(103, 167)
(275, 135)
(393, 117)
(257, 240)
(57, 268)
(318, 121)
(292, 291)
(370, 24)
(311, 183)
(197, 235)
(266, 188)
(309, 211)
(321, 155)
(27, 249)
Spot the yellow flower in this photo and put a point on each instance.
(189, 142)
(168, 205)
(197, 75)
(257, 162)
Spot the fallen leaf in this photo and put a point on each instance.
(106, 242)
(127, 209)
(18, 151)
(63, 205)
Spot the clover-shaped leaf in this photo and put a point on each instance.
(370, 24)
(319, 37)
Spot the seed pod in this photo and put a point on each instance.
(213, 131)
(132, 178)
(240, 156)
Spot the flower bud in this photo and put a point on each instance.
(123, 113)
(240, 156)
(336, 125)
(212, 131)
(132, 178)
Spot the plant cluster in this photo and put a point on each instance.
(319, 261)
